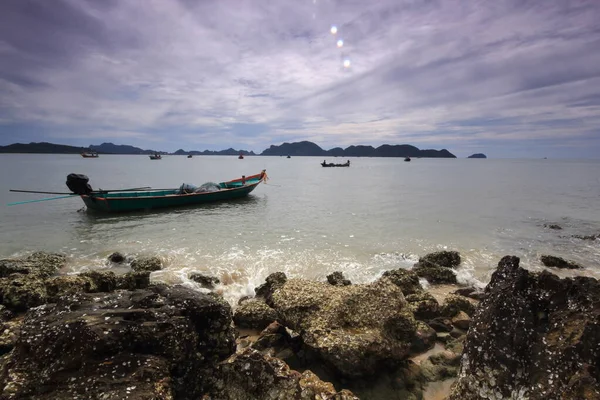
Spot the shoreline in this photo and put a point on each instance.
(387, 339)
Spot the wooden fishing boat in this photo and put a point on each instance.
(155, 156)
(89, 154)
(163, 198)
(325, 164)
(241, 156)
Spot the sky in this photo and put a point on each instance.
(509, 78)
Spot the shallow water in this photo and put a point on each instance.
(379, 214)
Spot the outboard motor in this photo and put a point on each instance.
(78, 184)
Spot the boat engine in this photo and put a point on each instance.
(78, 184)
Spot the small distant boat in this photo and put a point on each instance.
(325, 164)
(289, 156)
(145, 199)
(241, 156)
(407, 159)
(89, 154)
(189, 156)
(155, 156)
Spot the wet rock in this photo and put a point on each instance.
(587, 237)
(471, 293)
(67, 285)
(453, 304)
(274, 336)
(133, 280)
(21, 292)
(273, 282)
(434, 273)
(356, 329)
(255, 314)
(116, 258)
(39, 263)
(424, 339)
(9, 331)
(337, 279)
(553, 226)
(461, 320)
(5, 314)
(160, 343)
(252, 376)
(440, 366)
(441, 324)
(406, 280)
(101, 281)
(146, 264)
(446, 259)
(534, 336)
(558, 262)
(206, 281)
(423, 305)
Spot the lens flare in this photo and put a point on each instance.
(340, 43)
(346, 63)
(333, 29)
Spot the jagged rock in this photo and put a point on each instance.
(337, 279)
(253, 376)
(39, 263)
(356, 329)
(461, 320)
(116, 258)
(146, 264)
(423, 305)
(553, 226)
(255, 314)
(424, 339)
(273, 336)
(273, 282)
(205, 281)
(533, 336)
(558, 262)
(157, 343)
(453, 304)
(446, 259)
(434, 273)
(406, 280)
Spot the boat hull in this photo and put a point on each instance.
(123, 202)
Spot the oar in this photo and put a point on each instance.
(95, 191)
(35, 201)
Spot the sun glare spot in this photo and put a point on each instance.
(346, 63)
(340, 43)
(333, 29)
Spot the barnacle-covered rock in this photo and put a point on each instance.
(533, 336)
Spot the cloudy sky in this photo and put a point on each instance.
(511, 78)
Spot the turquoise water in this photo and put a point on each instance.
(379, 214)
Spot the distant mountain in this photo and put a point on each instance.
(477, 155)
(111, 148)
(228, 152)
(42, 147)
(306, 148)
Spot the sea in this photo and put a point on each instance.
(308, 221)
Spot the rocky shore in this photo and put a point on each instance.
(101, 335)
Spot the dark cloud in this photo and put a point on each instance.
(218, 73)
